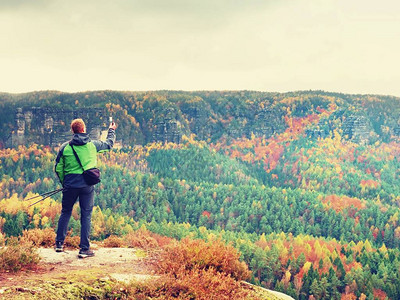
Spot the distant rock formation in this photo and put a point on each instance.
(167, 128)
(165, 122)
(396, 130)
(316, 133)
(50, 126)
(268, 120)
(198, 118)
(356, 128)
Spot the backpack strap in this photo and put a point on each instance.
(76, 156)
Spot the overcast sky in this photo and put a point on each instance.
(350, 46)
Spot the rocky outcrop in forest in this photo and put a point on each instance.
(165, 116)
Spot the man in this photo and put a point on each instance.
(69, 171)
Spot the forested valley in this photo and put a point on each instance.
(304, 185)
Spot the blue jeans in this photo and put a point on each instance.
(70, 195)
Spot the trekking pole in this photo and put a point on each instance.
(47, 196)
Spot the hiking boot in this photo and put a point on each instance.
(59, 247)
(85, 253)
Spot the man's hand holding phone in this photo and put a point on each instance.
(112, 124)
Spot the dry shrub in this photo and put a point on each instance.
(46, 238)
(113, 241)
(141, 239)
(187, 255)
(2, 239)
(40, 237)
(149, 289)
(205, 284)
(18, 254)
(72, 241)
(196, 284)
(195, 269)
(161, 240)
(147, 240)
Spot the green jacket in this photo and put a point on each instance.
(67, 167)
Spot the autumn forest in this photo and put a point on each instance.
(304, 184)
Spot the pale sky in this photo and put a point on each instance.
(349, 46)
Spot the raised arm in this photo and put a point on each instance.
(106, 145)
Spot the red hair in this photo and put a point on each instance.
(78, 126)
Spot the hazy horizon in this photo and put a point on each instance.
(268, 46)
(194, 91)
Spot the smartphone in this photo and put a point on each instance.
(110, 119)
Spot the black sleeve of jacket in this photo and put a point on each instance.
(108, 143)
